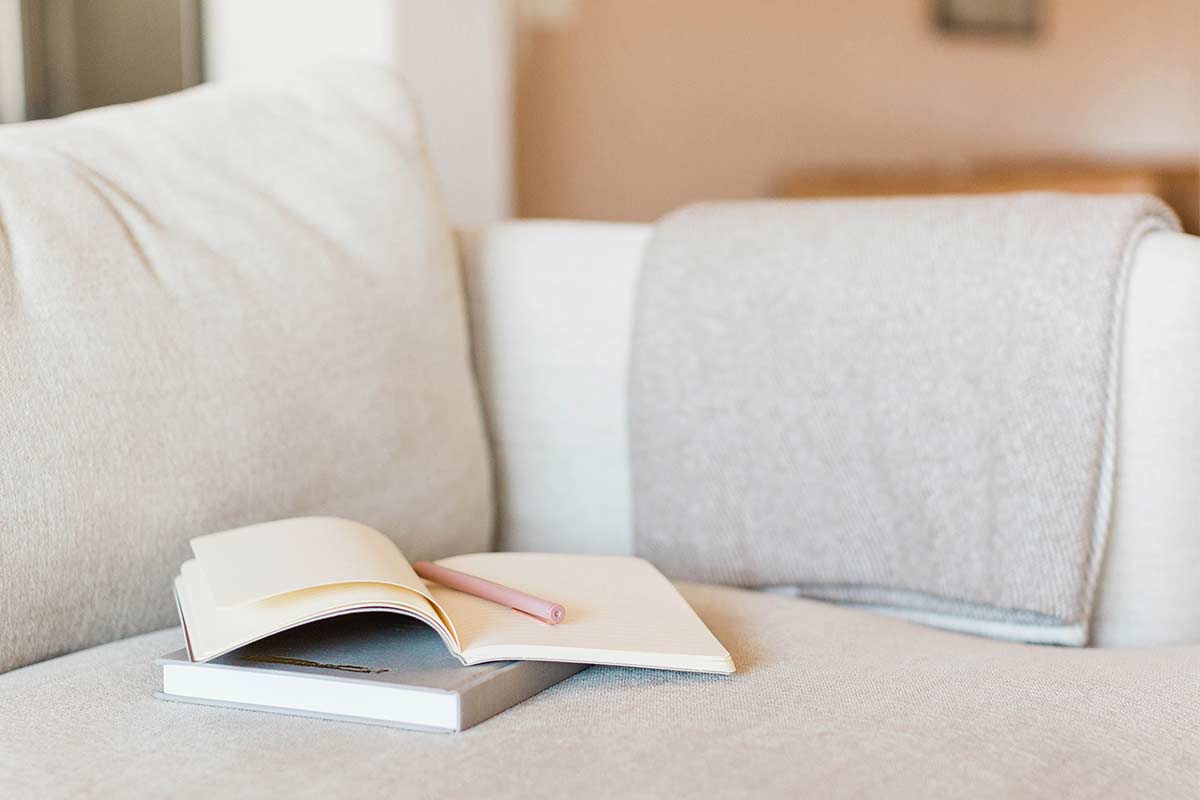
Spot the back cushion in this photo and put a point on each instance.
(551, 306)
(227, 306)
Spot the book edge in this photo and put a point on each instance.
(291, 712)
(477, 701)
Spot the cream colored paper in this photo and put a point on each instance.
(279, 575)
(259, 561)
(212, 631)
(620, 610)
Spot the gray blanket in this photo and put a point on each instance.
(906, 404)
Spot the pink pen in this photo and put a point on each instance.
(544, 610)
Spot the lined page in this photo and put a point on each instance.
(620, 610)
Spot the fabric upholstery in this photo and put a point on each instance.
(1150, 583)
(551, 307)
(563, 446)
(222, 307)
(904, 403)
(827, 702)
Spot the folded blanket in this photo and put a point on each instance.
(907, 404)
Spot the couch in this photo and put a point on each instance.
(243, 303)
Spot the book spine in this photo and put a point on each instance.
(516, 684)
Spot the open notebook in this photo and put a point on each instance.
(248, 583)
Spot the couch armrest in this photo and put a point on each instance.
(1149, 591)
(551, 314)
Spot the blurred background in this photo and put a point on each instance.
(625, 109)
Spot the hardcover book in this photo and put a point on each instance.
(378, 668)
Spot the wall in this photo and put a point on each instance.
(633, 107)
(458, 56)
(256, 37)
(455, 54)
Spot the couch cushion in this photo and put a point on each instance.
(227, 306)
(826, 700)
(551, 307)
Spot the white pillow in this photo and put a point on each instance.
(228, 306)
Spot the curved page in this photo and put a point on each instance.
(253, 563)
(212, 631)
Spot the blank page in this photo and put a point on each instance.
(620, 611)
(260, 561)
(212, 630)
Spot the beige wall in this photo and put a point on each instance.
(636, 106)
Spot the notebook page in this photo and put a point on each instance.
(212, 630)
(620, 610)
(248, 564)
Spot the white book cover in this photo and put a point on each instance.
(377, 668)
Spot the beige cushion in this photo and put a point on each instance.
(551, 306)
(827, 702)
(227, 306)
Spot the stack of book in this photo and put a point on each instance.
(324, 617)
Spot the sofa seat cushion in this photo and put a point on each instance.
(826, 699)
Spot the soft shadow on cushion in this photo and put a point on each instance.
(231, 305)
